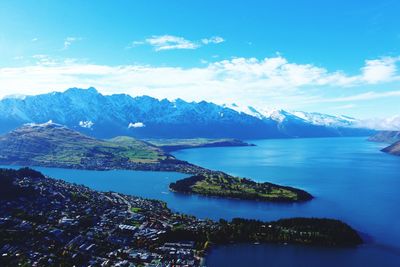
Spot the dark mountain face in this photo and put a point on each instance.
(393, 149)
(102, 116)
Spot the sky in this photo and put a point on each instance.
(335, 57)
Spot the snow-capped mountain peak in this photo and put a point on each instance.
(280, 115)
(326, 120)
(105, 116)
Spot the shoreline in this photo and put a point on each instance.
(182, 167)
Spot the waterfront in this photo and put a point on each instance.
(350, 178)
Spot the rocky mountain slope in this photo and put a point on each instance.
(385, 137)
(393, 149)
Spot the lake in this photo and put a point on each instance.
(350, 178)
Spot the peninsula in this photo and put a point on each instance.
(169, 145)
(219, 184)
(54, 145)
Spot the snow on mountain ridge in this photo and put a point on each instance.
(104, 116)
(326, 120)
(50, 123)
(279, 115)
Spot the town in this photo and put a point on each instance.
(49, 222)
(70, 224)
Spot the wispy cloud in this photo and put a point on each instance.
(344, 107)
(44, 60)
(213, 40)
(47, 60)
(168, 42)
(135, 44)
(171, 42)
(70, 40)
(364, 96)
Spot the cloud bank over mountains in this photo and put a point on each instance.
(270, 81)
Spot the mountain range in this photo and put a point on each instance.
(106, 116)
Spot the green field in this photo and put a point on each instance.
(136, 210)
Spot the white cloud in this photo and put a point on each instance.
(213, 40)
(363, 96)
(378, 70)
(171, 42)
(136, 125)
(246, 81)
(44, 60)
(168, 42)
(69, 40)
(135, 44)
(86, 124)
(387, 124)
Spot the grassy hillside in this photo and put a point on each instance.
(53, 144)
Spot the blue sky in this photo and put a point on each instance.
(338, 57)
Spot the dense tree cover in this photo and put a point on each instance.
(8, 189)
(185, 185)
(312, 231)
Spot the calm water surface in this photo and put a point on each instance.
(349, 177)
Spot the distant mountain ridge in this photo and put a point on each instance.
(390, 137)
(101, 116)
(385, 137)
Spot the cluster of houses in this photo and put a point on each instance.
(64, 223)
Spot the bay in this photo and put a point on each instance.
(350, 178)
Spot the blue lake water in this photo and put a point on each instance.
(350, 178)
